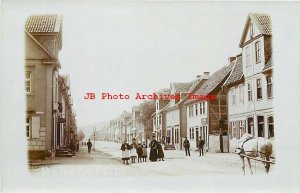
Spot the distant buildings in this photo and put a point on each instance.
(50, 121)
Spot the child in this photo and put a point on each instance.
(139, 152)
(160, 152)
(125, 152)
(144, 153)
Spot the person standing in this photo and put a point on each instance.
(89, 144)
(160, 152)
(144, 152)
(200, 146)
(133, 153)
(153, 150)
(125, 147)
(186, 145)
(73, 147)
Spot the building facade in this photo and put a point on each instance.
(251, 100)
(46, 108)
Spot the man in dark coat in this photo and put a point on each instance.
(200, 146)
(89, 144)
(153, 150)
(186, 145)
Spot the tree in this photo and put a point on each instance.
(147, 108)
(81, 135)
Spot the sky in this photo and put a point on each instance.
(138, 47)
(142, 48)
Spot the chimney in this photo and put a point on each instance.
(230, 59)
(205, 75)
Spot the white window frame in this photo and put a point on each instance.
(28, 80)
(257, 46)
(249, 92)
(259, 89)
(270, 84)
(196, 109)
(204, 108)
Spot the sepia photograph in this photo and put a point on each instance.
(144, 96)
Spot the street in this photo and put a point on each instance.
(106, 162)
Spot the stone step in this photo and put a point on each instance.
(64, 155)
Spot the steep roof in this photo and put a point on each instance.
(263, 23)
(184, 87)
(237, 71)
(43, 23)
(215, 80)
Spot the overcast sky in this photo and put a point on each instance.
(139, 47)
(142, 47)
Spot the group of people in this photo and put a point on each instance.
(139, 151)
(200, 145)
(133, 151)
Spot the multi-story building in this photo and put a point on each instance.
(50, 120)
(159, 117)
(43, 41)
(250, 89)
(206, 112)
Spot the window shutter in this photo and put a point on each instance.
(35, 127)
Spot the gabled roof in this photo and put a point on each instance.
(263, 23)
(43, 23)
(184, 87)
(236, 73)
(215, 80)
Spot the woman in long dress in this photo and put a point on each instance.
(160, 152)
(153, 150)
(125, 147)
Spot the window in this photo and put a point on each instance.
(196, 109)
(242, 128)
(241, 94)
(160, 120)
(270, 126)
(191, 133)
(260, 126)
(249, 91)
(257, 52)
(250, 125)
(233, 96)
(247, 56)
(28, 82)
(258, 89)
(27, 123)
(269, 86)
(203, 108)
